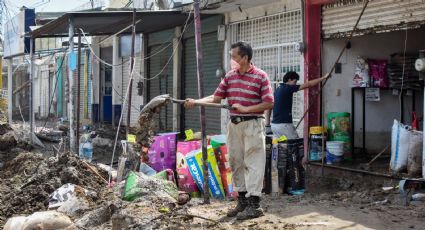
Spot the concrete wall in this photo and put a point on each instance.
(379, 115)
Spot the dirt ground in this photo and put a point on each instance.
(26, 181)
(338, 210)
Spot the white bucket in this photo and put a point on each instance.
(335, 147)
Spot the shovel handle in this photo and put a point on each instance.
(206, 104)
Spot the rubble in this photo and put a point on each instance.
(29, 179)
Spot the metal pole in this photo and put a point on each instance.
(200, 72)
(31, 90)
(77, 140)
(71, 90)
(10, 88)
(133, 41)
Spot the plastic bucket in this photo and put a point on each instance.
(335, 147)
(315, 143)
(338, 125)
(331, 158)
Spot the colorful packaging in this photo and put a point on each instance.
(224, 168)
(184, 178)
(194, 161)
(167, 174)
(378, 73)
(162, 153)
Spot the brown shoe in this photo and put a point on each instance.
(242, 204)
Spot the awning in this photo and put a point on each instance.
(100, 23)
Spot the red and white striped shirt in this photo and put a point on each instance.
(250, 88)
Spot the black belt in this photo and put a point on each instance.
(238, 119)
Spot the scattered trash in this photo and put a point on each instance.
(65, 193)
(388, 188)
(400, 136)
(146, 169)
(139, 185)
(40, 220)
(28, 180)
(418, 197)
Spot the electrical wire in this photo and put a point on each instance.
(126, 99)
(402, 75)
(141, 59)
(172, 55)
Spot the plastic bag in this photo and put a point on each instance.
(400, 137)
(414, 159)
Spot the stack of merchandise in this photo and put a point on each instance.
(162, 153)
(168, 156)
(410, 78)
(195, 163)
(184, 178)
(220, 149)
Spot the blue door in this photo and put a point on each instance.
(107, 95)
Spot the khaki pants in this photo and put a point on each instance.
(247, 155)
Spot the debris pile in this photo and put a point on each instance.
(27, 181)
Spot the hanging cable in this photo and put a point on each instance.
(402, 75)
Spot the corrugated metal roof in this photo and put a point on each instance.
(380, 16)
(109, 22)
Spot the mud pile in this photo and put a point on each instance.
(27, 181)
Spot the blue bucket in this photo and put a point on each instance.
(331, 158)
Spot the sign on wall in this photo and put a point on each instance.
(15, 42)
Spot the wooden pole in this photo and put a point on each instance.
(77, 140)
(71, 89)
(200, 72)
(133, 41)
(31, 89)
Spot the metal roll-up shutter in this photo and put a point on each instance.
(136, 100)
(379, 16)
(161, 75)
(212, 59)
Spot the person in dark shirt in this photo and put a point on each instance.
(282, 110)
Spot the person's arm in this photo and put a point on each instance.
(190, 103)
(313, 82)
(268, 115)
(259, 108)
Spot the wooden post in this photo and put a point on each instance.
(133, 41)
(200, 72)
(77, 141)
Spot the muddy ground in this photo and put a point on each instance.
(27, 179)
(332, 209)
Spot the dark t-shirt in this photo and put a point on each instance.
(282, 110)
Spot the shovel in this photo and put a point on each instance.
(161, 100)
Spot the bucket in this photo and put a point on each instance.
(335, 147)
(315, 146)
(347, 146)
(338, 125)
(334, 151)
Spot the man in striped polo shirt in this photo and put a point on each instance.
(248, 91)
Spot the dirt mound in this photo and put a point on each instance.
(27, 181)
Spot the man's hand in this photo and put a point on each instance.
(327, 75)
(240, 108)
(190, 103)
